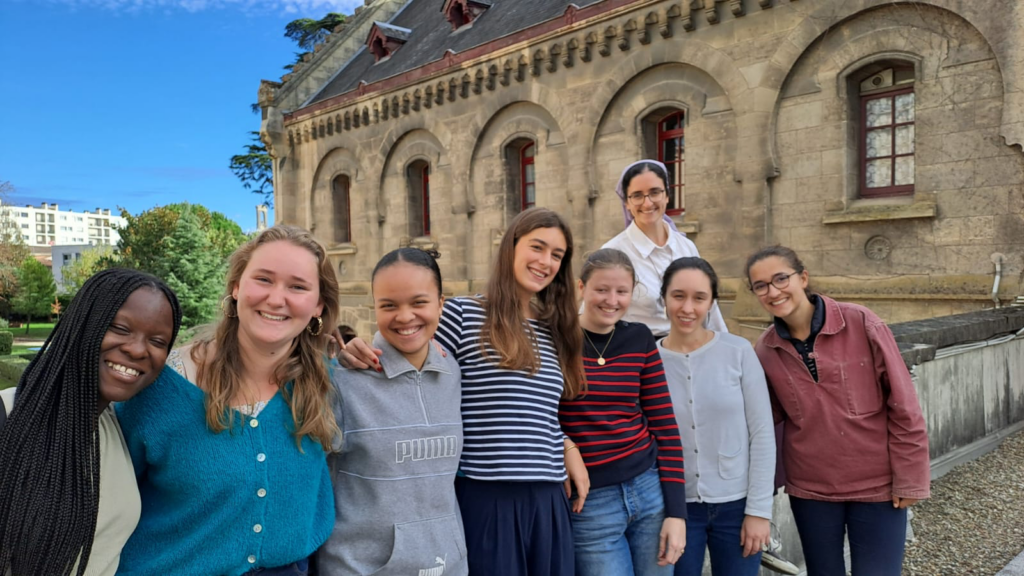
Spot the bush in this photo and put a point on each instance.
(6, 342)
(11, 368)
(4, 324)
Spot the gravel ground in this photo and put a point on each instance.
(974, 521)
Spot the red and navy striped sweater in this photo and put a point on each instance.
(625, 422)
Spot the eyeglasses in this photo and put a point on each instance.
(780, 281)
(637, 198)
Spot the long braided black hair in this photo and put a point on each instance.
(49, 447)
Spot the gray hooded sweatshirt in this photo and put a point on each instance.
(394, 476)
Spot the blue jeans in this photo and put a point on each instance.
(716, 527)
(876, 530)
(618, 531)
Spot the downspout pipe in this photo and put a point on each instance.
(997, 259)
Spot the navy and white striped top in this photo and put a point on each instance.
(509, 417)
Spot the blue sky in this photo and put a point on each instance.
(138, 103)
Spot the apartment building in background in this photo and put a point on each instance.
(46, 225)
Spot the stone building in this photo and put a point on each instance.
(879, 138)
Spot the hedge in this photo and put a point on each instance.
(6, 342)
(11, 368)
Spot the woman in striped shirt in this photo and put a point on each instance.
(634, 520)
(519, 348)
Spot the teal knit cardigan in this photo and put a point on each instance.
(220, 503)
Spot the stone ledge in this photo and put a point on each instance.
(948, 331)
(344, 249)
(877, 212)
(688, 227)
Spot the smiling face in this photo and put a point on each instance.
(538, 257)
(688, 300)
(606, 297)
(649, 213)
(278, 294)
(408, 306)
(135, 347)
(780, 302)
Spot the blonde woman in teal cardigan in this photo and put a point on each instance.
(228, 445)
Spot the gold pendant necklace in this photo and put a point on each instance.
(600, 355)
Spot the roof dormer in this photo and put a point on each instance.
(462, 12)
(384, 39)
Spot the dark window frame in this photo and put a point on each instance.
(525, 161)
(894, 189)
(676, 190)
(347, 193)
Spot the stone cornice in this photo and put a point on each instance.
(579, 36)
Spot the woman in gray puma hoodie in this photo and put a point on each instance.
(394, 467)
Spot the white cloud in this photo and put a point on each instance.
(308, 8)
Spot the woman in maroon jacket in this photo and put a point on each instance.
(855, 447)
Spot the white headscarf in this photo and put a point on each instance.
(620, 189)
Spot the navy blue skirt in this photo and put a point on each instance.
(516, 528)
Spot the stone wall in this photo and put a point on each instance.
(771, 151)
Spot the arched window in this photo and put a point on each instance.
(521, 176)
(664, 139)
(418, 178)
(342, 209)
(885, 113)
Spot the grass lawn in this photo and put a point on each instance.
(37, 331)
(4, 383)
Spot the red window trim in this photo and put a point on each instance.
(664, 136)
(426, 199)
(348, 206)
(886, 191)
(523, 163)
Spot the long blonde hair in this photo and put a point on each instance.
(220, 374)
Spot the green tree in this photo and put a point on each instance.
(36, 290)
(77, 272)
(196, 271)
(13, 250)
(255, 169)
(186, 245)
(307, 32)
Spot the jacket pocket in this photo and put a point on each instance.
(863, 392)
(732, 466)
(434, 547)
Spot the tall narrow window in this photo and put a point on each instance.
(418, 177)
(887, 133)
(528, 175)
(671, 148)
(342, 209)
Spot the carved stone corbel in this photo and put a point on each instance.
(538, 59)
(569, 58)
(587, 49)
(711, 11)
(553, 55)
(406, 103)
(506, 73)
(439, 94)
(386, 107)
(666, 24)
(428, 97)
(417, 98)
(644, 36)
(376, 113)
(627, 29)
(524, 63)
(453, 88)
(605, 48)
(492, 77)
(736, 7)
(348, 120)
(464, 88)
(764, 4)
(478, 81)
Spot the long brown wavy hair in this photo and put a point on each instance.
(220, 374)
(556, 307)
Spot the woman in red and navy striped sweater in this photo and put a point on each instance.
(633, 521)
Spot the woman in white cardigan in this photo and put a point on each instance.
(721, 403)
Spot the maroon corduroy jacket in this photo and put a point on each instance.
(858, 433)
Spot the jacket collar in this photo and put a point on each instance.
(394, 363)
(834, 323)
(640, 241)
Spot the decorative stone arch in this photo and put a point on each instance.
(699, 56)
(514, 122)
(336, 162)
(549, 106)
(827, 17)
(419, 144)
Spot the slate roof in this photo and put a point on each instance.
(396, 32)
(432, 36)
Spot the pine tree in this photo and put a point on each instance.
(193, 268)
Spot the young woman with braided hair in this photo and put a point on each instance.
(229, 446)
(69, 495)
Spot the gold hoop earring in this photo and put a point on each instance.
(225, 306)
(319, 326)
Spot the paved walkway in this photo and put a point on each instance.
(1014, 568)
